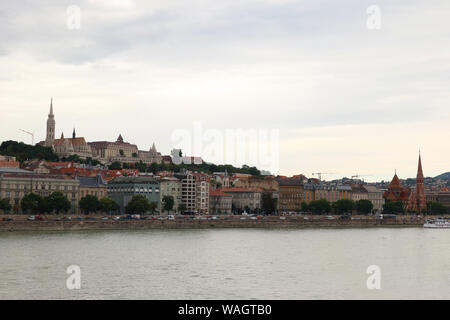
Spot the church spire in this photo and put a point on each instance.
(419, 168)
(73, 133)
(51, 107)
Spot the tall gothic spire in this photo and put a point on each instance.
(51, 108)
(73, 133)
(50, 137)
(419, 168)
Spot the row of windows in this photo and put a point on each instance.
(26, 186)
(142, 189)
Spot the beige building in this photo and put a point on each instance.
(359, 192)
(170, 186)
(291, 195)
(15, 183)
(375, 196)
(123, 152)
(267, 183)
(94, 186)
(220, 202)
(202, 187)
(245, 198)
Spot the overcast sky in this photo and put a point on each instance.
(346, 99)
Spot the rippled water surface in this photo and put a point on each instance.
(227, 264)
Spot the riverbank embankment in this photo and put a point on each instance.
(20, 223)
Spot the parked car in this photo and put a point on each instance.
(345, 217)
(67, 218)
(282, 218)
(117, 218)
(331, 218)
(170, 217)
(105, 218)
(31, 218)
(78, 218)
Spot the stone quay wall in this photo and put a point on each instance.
(60, 224)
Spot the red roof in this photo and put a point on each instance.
(241, 190)
(218, 193)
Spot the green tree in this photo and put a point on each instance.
(31, 202)
(141, 166)
(321, 206)
(153, 206)
(24, 152)
(168, 203)
(5, 206)
(269, 204)
(153, 167)
(343, 206)
(89, 203)
(108, 205)
(138, 205)
(182, 208)
(393, 207)
(305, 206)
(364, 206)
(58, 202)
(115, 166)
(436, 208)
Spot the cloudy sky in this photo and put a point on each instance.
(344, 98)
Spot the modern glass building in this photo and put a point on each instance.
(122, 190)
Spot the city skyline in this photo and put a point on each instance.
(345, 99)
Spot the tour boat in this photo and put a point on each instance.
(437, 224)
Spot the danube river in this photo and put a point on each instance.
(414, 263)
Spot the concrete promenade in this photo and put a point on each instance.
(59, 223)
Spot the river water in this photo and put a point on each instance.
(414, 263)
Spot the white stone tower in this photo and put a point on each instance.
(50, 127)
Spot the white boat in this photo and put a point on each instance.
(437, 224)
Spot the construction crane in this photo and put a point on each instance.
(31, 134)
(319, 174)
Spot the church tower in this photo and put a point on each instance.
(421, 203)
(50, 127)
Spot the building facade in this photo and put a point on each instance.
(122, 190)
(94, 186)
(16, 183)
(245, 199)
(220, 202)
(375, 196)
(65, 147)
(171, 186)
(123, 152)
(291, 195)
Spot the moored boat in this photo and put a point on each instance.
(437, 224)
